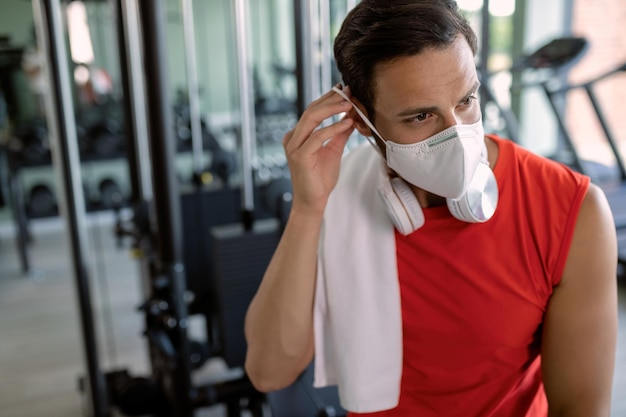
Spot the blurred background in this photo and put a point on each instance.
(143, 185)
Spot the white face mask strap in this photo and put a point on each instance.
(365, 119)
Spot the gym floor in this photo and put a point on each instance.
(40, 345)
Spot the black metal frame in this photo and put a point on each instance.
(166, 202)
(66, 158)
(18, 207)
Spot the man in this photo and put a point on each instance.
(459, 311)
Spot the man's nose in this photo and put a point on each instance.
(453, 118)
(450, 119)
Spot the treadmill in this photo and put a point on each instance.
(549, 64)
(613, 183)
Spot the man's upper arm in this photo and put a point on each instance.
(580, 326)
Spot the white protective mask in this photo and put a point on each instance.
(443, 164)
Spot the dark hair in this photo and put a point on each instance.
(379, 31)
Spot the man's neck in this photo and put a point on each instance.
(427, 199)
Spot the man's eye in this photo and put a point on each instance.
(469, 99)
(421, 117)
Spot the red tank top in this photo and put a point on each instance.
(473, 295)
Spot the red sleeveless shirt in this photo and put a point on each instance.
(474, 295)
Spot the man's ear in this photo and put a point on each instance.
(360, 125)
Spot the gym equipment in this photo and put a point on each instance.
(202, 210)
(615, 186)
(548, 63)
(558, 54)
(251, 240)
(10, 65)
(111, 195)
(561, 54)
(182, 122)
(4, 173)
(47, 14)
(101, 129)
(222, 164)
(277, 104)
(136, 396)
(554, 91)
(4, 114)
(271, 127)
(4, 121)
(158, 229)
(41, 201)
(300, 399)
(209, 211)
(163, 229)
(241, 257)
(241, 253)
(18, 207)
(105, 137)
(31, 142)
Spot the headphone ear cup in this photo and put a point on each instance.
(459, 208)
(402, 206)
(479, 202)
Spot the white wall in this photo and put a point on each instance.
(16, 19)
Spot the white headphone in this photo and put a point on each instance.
(477, 205)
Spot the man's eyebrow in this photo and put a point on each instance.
(432, 109)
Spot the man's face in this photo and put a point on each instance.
(418, 96)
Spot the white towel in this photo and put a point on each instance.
(357, 313)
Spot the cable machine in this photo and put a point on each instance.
(158, 232)
(165, 226)
(161, 235)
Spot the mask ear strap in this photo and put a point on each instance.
(365, 119)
